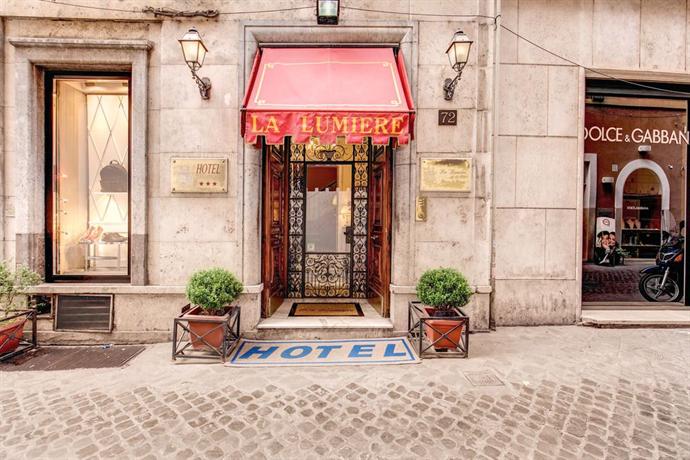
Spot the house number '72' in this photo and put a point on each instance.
(447, 117)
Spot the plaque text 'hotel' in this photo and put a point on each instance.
(199, 175)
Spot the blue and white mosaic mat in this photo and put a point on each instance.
(268, 353)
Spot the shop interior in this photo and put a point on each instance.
(90, 187)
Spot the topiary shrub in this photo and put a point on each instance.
(444, 289)
(14, 283)
(213, 289)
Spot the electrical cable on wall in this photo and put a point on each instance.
(598, 72)
(169, 12)
(148, 10)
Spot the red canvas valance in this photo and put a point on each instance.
(325, 93)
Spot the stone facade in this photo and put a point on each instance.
(516, 235)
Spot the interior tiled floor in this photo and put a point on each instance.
(602, 283)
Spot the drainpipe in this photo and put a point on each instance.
(493, 143)
(3, 110)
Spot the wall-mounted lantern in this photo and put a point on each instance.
(327, 11)
(194, 52)
(458, 52)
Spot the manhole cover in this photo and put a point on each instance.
(483, 379)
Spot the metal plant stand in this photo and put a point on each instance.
(420, 324)
(183, 336)
(19, 335)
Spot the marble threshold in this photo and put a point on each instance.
(281, 320)
(636, 318)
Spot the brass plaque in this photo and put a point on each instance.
(199, 175)
(420, 209)
(445, 175)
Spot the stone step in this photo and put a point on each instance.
(319, 334)
(313, 328)
(636, 318)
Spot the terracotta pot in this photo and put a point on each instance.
(10, 335)
(442, 326)
(202, 327)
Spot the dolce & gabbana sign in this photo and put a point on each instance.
(637, 135)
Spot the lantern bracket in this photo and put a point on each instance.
(449, 86)
(204, 84)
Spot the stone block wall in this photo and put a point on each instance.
(539, 149)
(182, 234)
(516, 235)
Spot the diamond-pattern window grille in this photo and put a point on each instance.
(108, 134)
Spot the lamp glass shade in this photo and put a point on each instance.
(328, 8)
(327, 11)
(459, 50)
(193, 49)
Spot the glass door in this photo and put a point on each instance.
(327, 253)
(328, 230)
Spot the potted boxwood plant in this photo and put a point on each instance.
(442, 291)
(210, 293)
(13, 283)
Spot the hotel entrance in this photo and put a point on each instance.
(326, 225)
(327, 120)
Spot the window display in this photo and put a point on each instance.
(634, 196)
(90, 186)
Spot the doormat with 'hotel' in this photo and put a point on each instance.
(275, 353)
(326, 309)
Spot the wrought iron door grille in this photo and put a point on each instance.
(328, 274)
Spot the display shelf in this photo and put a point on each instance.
(643, 211)
(91, 253)
(641, 229)
(639, 245)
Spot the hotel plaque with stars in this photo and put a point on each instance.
(199, 175)
(445, 175)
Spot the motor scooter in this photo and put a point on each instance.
(663, 282)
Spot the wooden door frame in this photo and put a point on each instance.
(387, 227)
(266, 224)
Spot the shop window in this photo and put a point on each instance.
(88, 199)
(635, 206)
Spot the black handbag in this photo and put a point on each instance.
(114, 178)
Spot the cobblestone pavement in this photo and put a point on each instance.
(564, 392)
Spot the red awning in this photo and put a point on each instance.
(325, 93)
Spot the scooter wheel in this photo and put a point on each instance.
(651, 289)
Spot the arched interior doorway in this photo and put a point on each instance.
(642, 206)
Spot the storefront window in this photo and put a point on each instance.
(90, 182)
(634, 199)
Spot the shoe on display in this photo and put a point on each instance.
(113, 237)
(86, 237)
(96, 234)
